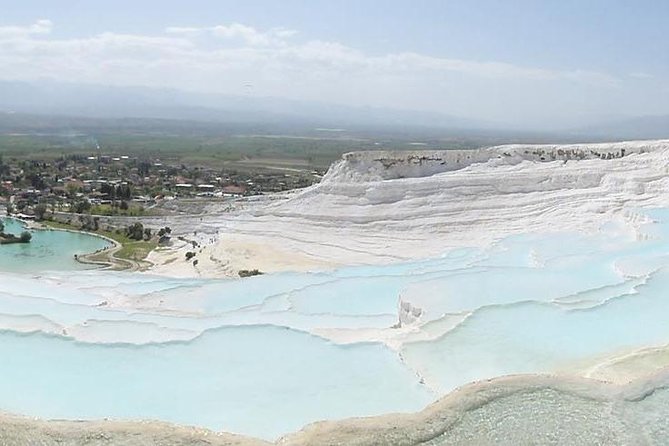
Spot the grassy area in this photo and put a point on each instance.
(136, 250)
(237, 151)
(214, 151)
(132, 211)
(58, 225)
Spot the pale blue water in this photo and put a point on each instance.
(48, 249)
(253, 356)
(263, 380)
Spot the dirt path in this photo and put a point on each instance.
(107, 259)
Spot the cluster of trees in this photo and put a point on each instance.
(89, 223)
(4, 168)
(25, 236)
(120, 192)
(40, 211)
(143, 168)
(36, 180)
(137, 231)
(164, 231)
(81, 206)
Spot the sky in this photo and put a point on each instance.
(517, 63)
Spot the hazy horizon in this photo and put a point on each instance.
(519, 64)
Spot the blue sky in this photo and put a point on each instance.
(516, 62)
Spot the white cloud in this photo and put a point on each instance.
(41, 26)
(237, 31)
(492, 70)
(641, 75)
(183, 30)
(223, 58)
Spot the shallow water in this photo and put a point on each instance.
(48, 249)
(267, 354)
(262, 380)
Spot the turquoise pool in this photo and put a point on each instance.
(48, 249)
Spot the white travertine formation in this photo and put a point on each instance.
(432, 270)
(383, 207)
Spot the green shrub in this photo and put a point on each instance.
(249, 272)
(135, 231)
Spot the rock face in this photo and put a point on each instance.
(390, 165)
(382, 207)
(515, 410)
(409, 205)
(408, 314)
(384, 165)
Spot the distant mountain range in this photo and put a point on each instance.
(53, 98)
(643, 127)
(205, 112)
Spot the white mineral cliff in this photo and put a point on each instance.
(382, 207)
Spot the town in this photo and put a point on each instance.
(128, 185)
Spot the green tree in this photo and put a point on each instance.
(164, 231)
(135, 231)
(25, 237)
(71, 189)
(40, 210)
(4, 168)
(81, 206)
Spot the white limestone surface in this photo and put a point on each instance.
(385, 207)
(399, 278)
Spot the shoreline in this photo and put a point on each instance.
(444, 420)
(104, 258)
